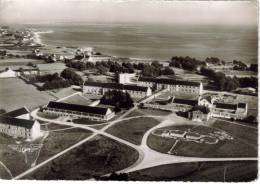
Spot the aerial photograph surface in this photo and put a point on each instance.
(129, 90)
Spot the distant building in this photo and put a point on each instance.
(17, 124)
(8, 73)
(79, 111)
(180, 86)
(101, 88)
(234, 111)
(175, 105)
(199, 113)
(98, 58)
(126, 78)
(27, 71)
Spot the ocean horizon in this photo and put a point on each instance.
(155, 41)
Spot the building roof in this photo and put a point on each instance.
(17, 112)
(202, 109)
(169, 81)
(184, 101)
(79, 108)
(17, 122)
(117, 86)
(226, 106)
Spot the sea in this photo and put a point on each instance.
(156, 41)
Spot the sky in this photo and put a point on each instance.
(120, 11)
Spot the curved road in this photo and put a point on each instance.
(147, 157)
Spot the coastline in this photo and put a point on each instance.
(37, 36)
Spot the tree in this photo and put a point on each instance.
(118, 99)
(71, 75)
(2, 111)
(167, 71)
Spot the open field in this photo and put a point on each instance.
(19, 61)
(132, 130)
(96, 157)
(199, 171)
(246, 134)
(234, 147)
(63, 92)
(49, 68)
(60, 137)
(15, 93)
(77, 99)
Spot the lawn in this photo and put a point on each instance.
(57, 141)
(96, 157)
(15, 93)
(236, 171)
(237, 147)
(133, 130)
(77, 99)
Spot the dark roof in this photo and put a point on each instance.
(79, 108)
(241, 105)
(17, 122)
(169, 81)
(116, 86)
(202, 109)
(27, 69)
(17, 112)
(184, 101)
(226, 106)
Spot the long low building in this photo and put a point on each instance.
(18, 125)
(101, 88)
(234, 111)
(79, 111)
(181, 86)
(174, 104)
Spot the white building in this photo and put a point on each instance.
(101, 88)
(17, 124)
(98, 58)
(180, 86)
(230, 111)
(8, 73)
(79, 111)
(126, 78)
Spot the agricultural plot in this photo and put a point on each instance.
(96, 157)
(15, 93)
(133, 130)
(200, 141)
(19, 61)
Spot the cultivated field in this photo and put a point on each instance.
(96, 157)
(19, 61)
(15, 93)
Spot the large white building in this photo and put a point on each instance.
(79, 111)
(18, 124)
(8, 73)
(180, 86)
(126, 78)
(101, 88)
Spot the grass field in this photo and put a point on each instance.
(19, 61)
(236, 171)
(96, 157)
(56, 141)
(15, 93)
(77, 99)
(60, 140)
(132, 130)
(238, 147)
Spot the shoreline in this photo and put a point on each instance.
(37, 36)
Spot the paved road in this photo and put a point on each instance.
(147, 157)
(6, 168)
